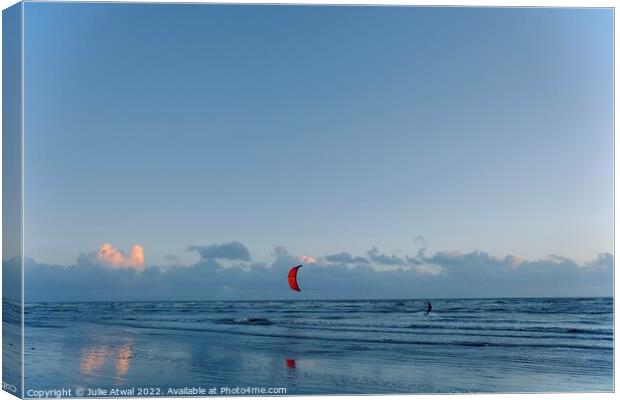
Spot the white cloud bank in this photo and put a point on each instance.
(335, 276)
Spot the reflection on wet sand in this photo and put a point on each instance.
(122, 364)
(95, 358)
(291, 371)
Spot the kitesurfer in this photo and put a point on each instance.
(429, 307)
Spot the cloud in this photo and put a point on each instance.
(308, 259)
(384, 259)
(172, 258)
(279, 251)
(420, 240)
(226, 251)
(601, 261)
(443, 274)
(110, 255)
(346, 258)
(429, 269)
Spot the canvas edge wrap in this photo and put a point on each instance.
(12, 200)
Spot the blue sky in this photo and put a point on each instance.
(320, 129)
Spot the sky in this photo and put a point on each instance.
(153, 132)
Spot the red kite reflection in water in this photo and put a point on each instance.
(292, 278)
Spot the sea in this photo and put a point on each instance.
(493, 345)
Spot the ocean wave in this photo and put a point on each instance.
(244, 321)
(371, 324)
(481, 333)
(460, 343)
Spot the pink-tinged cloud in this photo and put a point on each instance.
(110, 255)
(308, 259)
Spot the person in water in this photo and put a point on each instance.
(429, 307)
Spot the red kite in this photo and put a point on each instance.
(292, 278)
